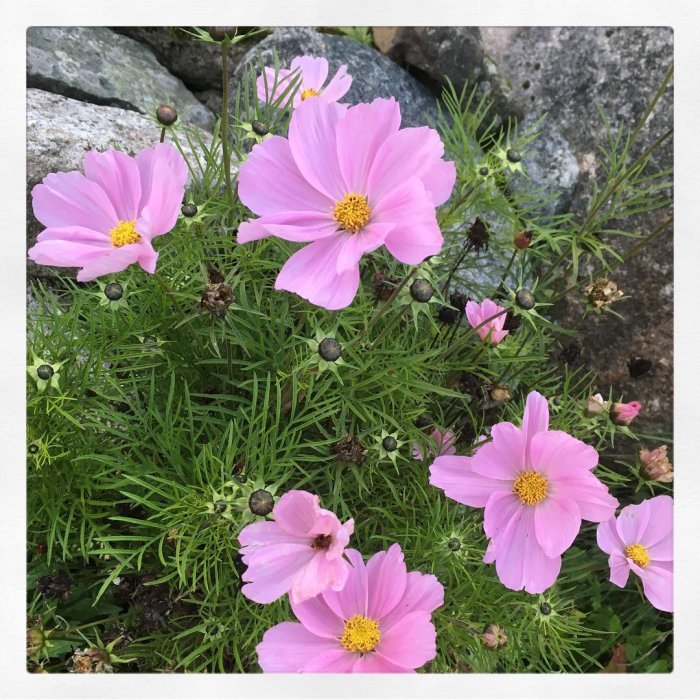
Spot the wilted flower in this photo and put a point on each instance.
(602, 292)
(105, 220)
(380, 622)
(640, 539)
(478, 235)
(218, 295)
(350, 449)
(90, 660)
(494, 636)
(313, 72)
(499, 393)
(655, 465)
(487, 309)
(595, 405)
(300, 552)
(625, 413)
(346, 181)
(444, 445)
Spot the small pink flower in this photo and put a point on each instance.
(346, 181)
(445, 445)
(478, 313)
(104, 221)
(313, 72)
(625, 413)
(300, 552)
(536, 485)
(640, 539)
(655, 465)
(379, 623)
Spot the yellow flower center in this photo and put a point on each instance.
(352, 212)
(308, 92)
(638, 554)
(530, 487)
(124, 233)
(360, 634)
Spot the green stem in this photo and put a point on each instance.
(225, 145)
(506, 271)
(390, 325)
(468, 334)
(455, 266)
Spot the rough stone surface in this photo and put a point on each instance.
(61, 130)
(96, 65)
(374, 75)
(196, 63)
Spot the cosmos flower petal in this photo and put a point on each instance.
(356, 245)
(657, 581)
(410, 642)
(619, 570)
(422, 592)
(454, 475)
(503, 457)
(632, 522)
(557, 522)
(336, 660)
(116, 260)
(377, 663)
(352, 599)
(163, 174)
(296, 512)
(318, 575)
(288, 646)
(557, 453)
(660, 523)
(337, 86)
(595, 502)
(314, 71)
(267, 532)
(536, 415)
(608, 539)
(67, 253)
(500, 508)
(118, 175)
(484, 319)
(318, 618)
(386, 581)
(295, 226)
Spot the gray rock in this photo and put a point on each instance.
(196, 63)
(374, 75)
(61, 130)
(96, 65)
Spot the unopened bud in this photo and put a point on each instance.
(260, 128)
(494, 637)
(389, 443)
(513, 156)
(166, 115)
(595, 405)
(261, 502)
(114, 291)
(522, 239)
(44, 372)
(329, 349)
(221, 33)
(625, 413)
(189, 209)
(421, 290)
(525, 299)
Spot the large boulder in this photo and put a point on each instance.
(97, 65)
(374, 75)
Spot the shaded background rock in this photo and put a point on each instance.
(374, 75)
(97, 65)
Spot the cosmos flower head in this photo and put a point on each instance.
(346, 181)
(444, 445)
(105, 220)
(477, 314)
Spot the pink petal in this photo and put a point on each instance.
(341, 537)
(423, 592)
(265, 84)
(632, 522)
(287, 647)
(657, 580)
(386, 581)
(503, 457)
(557, 522)
(454, 475)
(313, 143)
(269, 182)
(377, 663)
(337, 660)
(619, 570)
(76, 234)
(361, 133)
(70, 199)
(520, 561)
(317, 576)
(115, 260)
(318, 618)
(352, 599)
(592, 496)
(299, 227)
(67, 253)
(311, 273)
(557, 454)
(608, 539)
(297, 512)
(499, 511)
(660, 524)
(268, 532)
(410, 642)
(118, 175)
(314, 71)
(536, 415)
(338, 85)
(356, 245)
(663, 549)
(417, 151)
(416, 235)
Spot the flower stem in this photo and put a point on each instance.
(390, 325)
(225, 145)
(467, 335)
(162, 135)
(455, 266)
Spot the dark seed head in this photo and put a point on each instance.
(189, 209)
(421, 290)
(221, 506)
(525, 299)
(447, 315)
(33, 448)
(329, 349)
(350, 449)
(483, 171)
(261, 502)
(389, 443)
(478, 234)
(221, 33)
(513, 156)
(459, 300)
(44, 372)
(166, 115)
(545, 608)
(260, 128)
(454, 545)
(114, 291)
(383, 287)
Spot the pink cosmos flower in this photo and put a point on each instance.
(445, 445)
(625, 413)
(348, 180)
(536, 485)
(640, 539)
(300, 552)
(379, 623)
(478, 313)
(104, 221)
(313, 72)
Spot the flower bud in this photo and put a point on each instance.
(595, 405)
(625, 413)
(114, 291)
(261, 502)
(260, 128)
(421, 290)
(478, 234)
(44, 372)
(240, 478)
(453, 544)
(189, 209)
(525, 299)
(545, 608)
(494, 637)
(33, 448)
(513, 156)
(655, 465)
(483, 171)
(522, 239)
(221, 33)
(389, 443)
(166, 115)
(329, 349)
